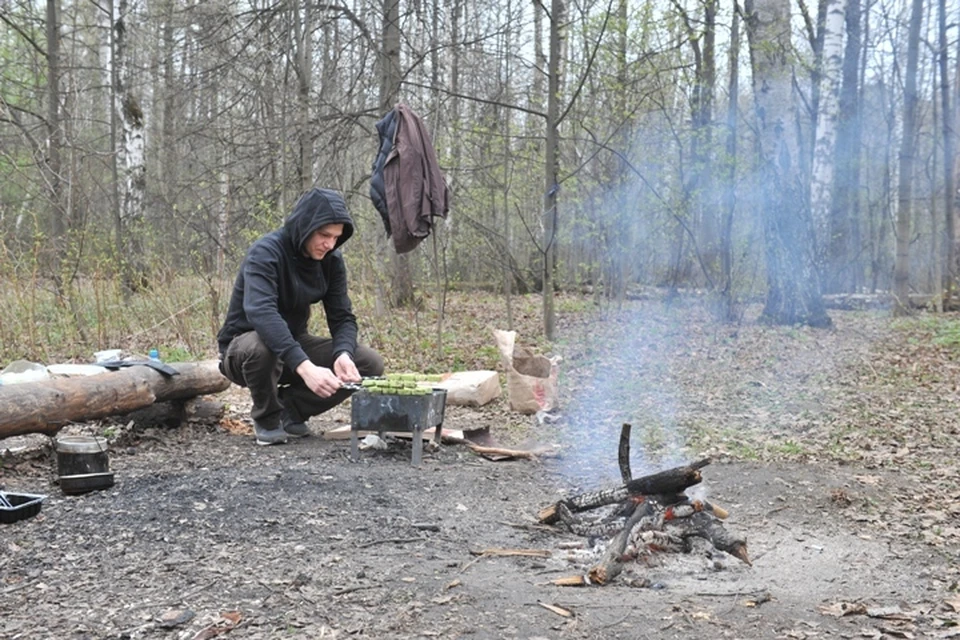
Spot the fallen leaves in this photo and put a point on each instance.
(225, 622)
(236, 427)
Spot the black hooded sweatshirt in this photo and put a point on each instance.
(278, 283)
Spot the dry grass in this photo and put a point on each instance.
(181, 316)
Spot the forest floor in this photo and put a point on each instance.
(835, 452)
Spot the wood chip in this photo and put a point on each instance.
(560, 611)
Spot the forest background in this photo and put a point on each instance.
(768, 151)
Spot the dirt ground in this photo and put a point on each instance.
(205, 533)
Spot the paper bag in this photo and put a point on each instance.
(531, 378)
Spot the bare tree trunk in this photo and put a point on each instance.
(728, 196)
(793, 295)
(935, 271)
(552, 168)
(401, 292)
(701, 188)
(901, 273)
(953, 198)
(168, 161)
(949, 136)
(303, 31)
(55, 142)
(506, 120)
(619, 228)
(455, 107)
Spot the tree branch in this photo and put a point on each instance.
(462, 96)
(589, 67)
(22, 33)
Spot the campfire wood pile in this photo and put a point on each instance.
(652, 514)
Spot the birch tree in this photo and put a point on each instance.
(793, 284)
(822, 168)
(130, 156)
(843, 270)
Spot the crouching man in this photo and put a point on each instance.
(264, 344)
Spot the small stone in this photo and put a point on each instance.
(175, 617)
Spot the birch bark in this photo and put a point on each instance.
(822, 171)
(131, 157)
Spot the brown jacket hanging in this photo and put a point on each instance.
(414, 188)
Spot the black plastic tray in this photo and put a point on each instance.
(22, 506)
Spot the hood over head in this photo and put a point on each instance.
(315, 209)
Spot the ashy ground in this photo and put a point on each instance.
(835, 453)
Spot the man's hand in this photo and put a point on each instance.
(345, 369)
(320, 380)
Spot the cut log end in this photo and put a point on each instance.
(548, 515)
(718, 511)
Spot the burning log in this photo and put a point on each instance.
(668, 483)
(613, 559)
(607, 527)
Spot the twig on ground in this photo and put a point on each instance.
(389, 541)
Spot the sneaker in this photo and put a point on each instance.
(269, 436)
(295, 429)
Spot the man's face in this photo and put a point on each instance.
(322, 241)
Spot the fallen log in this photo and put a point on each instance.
(45, 406)
(668, 482)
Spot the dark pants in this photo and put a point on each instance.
(274, 388)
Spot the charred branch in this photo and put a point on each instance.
(705, 526)
(665, 483)
(614, 558)
(623, 453)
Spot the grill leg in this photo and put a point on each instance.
(354, 445)
(417, 445)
